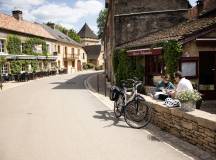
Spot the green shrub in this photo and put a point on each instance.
(90, 65)
(97, 68)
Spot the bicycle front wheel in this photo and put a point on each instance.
(137, 114)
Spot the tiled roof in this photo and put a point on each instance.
(61, 37)
(12, 24)
(86, 32)
(178, 32)
(93, 51)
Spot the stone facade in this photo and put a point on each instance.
(129, 28)
(125, 6)
(196, 127)
(130, 20)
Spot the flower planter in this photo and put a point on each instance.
(188, 106)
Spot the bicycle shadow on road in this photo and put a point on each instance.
(108, 116)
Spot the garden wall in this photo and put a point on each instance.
(196, 127)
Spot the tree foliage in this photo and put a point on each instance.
(101, 21)
(69, 32)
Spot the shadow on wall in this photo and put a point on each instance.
(73, 83)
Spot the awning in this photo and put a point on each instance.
(146, 51)
(28, 57)
(206, 41)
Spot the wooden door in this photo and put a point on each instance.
(79, 66)
(207, 74)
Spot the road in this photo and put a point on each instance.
(56, 118)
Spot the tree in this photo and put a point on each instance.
(101, 20)
(73, 35)
(69, 32)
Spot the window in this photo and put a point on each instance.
(5, 69)
(22, 47)
(72, 50)
(38, 48)
(2, 45)
(73, 64)
(83, 55)
(59, 49)
(23, 68)
(48, 47)
(78, 52)
(189, 67)
(65, 50)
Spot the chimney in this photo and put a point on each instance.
(200, 6)
(51, 25)
(17, 14)
(107, 4)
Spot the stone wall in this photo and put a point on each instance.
(132, 27)
(134, 6)
(197, 127)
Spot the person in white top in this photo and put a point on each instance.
(183, 84)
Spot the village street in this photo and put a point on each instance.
(56, 118)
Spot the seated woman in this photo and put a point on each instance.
(163, 88)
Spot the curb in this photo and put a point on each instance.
(103, 99)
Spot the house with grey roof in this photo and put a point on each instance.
(92, 46)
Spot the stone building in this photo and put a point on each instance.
(130, 20)
(62, 52)
(23, 30)
(204, 8)
(92, 45)
(88, 37)
(71, 54)
(198, 60)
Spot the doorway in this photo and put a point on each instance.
(79, 66)
(207, 74)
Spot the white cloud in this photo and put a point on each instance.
(20, 4)
(62, 13)
(68, 15)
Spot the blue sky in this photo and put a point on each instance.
(69, 13)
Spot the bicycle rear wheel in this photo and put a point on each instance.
(137, 114)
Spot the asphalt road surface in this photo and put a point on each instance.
(56, 118)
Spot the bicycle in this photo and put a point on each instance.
(137, 113)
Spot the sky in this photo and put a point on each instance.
(69, 13)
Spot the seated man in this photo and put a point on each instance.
(183, 84)
(163, 87)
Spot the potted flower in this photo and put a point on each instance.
(188, 99)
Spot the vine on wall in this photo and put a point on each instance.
(13, 44)
(16, 66)
(29, 47)
(172, 55)
(125, 67)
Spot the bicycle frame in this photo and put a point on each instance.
(133, 94)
